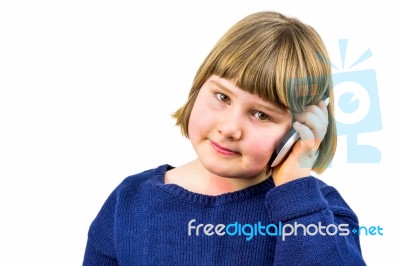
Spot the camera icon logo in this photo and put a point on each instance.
(357, 106)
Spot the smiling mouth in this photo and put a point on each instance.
(222, 150)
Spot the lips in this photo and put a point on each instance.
(222, 150)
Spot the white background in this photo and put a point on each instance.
(86, 93)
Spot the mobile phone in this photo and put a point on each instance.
(286, 144)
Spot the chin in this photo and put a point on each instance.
(219, 169)
(230, 169)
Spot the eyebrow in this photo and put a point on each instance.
(268, 106)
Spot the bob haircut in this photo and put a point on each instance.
(278, 58)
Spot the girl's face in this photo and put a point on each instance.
(234, 132)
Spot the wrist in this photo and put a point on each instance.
(289, 171)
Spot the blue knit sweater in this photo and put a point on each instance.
(146, 222)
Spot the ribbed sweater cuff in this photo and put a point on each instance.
(295, 199)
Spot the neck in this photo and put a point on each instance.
(194, 177)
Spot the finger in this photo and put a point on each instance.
(305, 150)
(317, 110)
(323, 106)
(305, 134)
(314, 123)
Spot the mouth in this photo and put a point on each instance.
(222, 150)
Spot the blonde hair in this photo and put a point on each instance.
(278, 58)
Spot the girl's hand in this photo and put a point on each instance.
(311, 125)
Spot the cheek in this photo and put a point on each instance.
(261, 148)
(260, 152)
(199, 121)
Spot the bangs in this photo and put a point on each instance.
(279, 66)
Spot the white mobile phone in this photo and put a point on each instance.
(286, 144)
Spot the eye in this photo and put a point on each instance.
(261, 116)
(223, 98)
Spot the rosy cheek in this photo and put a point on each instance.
(262, 146)
(260, 152)
(199, 122)
(193, 124)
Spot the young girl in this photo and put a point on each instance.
(268, 73)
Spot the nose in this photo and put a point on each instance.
(230, 126)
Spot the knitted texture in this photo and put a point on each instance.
(147, 222)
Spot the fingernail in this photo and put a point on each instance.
(296, 124)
